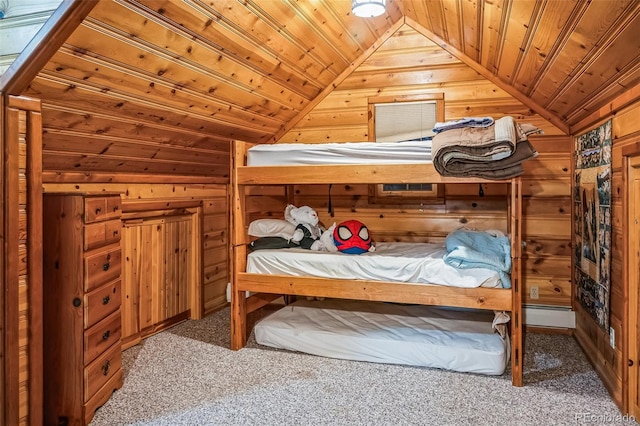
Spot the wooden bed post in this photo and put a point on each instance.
(517, 335)
(238, 249)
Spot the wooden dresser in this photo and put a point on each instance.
(82, 294)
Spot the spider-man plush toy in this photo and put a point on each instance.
(352, 236)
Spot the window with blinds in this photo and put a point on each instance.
(399, 119)
(404, 121)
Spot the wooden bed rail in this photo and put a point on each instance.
(338, 174)
(478, 298)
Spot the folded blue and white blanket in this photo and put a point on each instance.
(463, 122)
(476, 249)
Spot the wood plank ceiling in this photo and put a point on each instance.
(179, 79)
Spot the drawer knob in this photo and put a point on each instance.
(105, 368)
(98, 210)
(105, 300)
(116, 208)
(106, 335)
(105, 267)
(77, 302)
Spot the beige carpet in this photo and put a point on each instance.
(188, 376)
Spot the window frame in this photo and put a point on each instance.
(377, 194)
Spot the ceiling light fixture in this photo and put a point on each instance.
(367, 8)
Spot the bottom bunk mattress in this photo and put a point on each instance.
(416, 263)
(437, 337)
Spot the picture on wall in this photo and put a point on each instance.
(592, 222)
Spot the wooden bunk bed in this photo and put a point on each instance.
(266, 288)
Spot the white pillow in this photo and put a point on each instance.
(272, 228)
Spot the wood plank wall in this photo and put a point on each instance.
(4, 253)
(23, 307)
(22, 276)
(547, 222)
(406, 64)
(86, 134)
(610, 362)
(214, 236)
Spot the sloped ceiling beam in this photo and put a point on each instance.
(339, 79)
(66, 18)
(556, 121)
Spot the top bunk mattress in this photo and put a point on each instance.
(410, 152)
(416, 263)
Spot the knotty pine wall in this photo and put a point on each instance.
(610, 362)
(408, 63)
(118, 141)
(214, 227)
(22, 251)
(23, 307)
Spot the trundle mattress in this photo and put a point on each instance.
(437, 337)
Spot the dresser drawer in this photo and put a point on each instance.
(101, 265)
(102, 208)
(101, 336)
(114, 207)
(101, 302)
(101, 370)
(101, 396)
(102, 233)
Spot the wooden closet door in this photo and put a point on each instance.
(157, 269)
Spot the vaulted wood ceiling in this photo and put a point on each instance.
(197, 73)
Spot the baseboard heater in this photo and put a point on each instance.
(549, 316)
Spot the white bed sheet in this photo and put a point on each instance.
(340, 153)
(419, 263)
(426, 336)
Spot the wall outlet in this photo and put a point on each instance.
(534, 293)
(612, 337)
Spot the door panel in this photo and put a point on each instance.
(157, 271)
(634, 287)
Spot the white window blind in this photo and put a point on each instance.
(404, 121)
